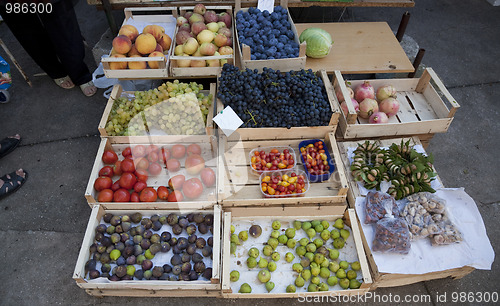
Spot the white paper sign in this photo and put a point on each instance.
(266, 5)
(228, 121)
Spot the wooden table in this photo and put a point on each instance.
(360, 47)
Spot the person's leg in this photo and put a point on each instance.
(29, 31)
(62, 28)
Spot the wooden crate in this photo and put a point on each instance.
(283, 64)
(390, 279)
(239, 186)
(209, 153)
(176, 71)
(162, 71)
(118, 92)
(149, 288)
(308, 132)
(291, 213)
(422, 110)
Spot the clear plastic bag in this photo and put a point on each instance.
(420, 211)
(448, 232)
(377, 205)
(392, 235)
(431, 202)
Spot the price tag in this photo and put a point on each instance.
(228, 121)
(266, 5)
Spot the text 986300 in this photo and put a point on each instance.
(25, 8)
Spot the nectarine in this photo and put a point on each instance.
(165, 42)
(154, 30)
(122, 44)
(145, 43)
(130, 31)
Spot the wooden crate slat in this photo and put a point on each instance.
(406, 113)
(423, 109)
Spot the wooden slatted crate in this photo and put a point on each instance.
(177, 71)
(283, 64)
(390, 279)
(149, 288)
(209, 148)
(117, 92)
(238, 186)
(422, 110)
(169, 14)
(309, 132)
(288, 214)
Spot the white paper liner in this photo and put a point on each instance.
(475, 250)
(284, 274)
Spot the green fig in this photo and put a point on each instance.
(290, 232)
(130, 270)
(263, 263)
(323, 287)
(251, 262)
(334, 234)
(311, 232)
(301, 250)
(315, 280)
(325, 235)
(344, 264)
(339, 223)
(289, 257)
(234, 276)
(297, 224)
(311, 247)
(269, 286)
(340, 273)
(319, 258)
(304, 262)
(291, 243)
(306, 225)
(344, 283)
(264, 276)
(115, 254)
(324, 273)
(319, 228)
(297, 267)
(334, 266)
(253, 252)
(315, 271)
(267, 250)
(306, 274)
(272, 266)
(309, 255)
(332, 280)
(354, 284)
(273, 242)
(318, 242)
(325, 224)
(243, 235)
(290, 289)
(312, 288)
(275, 234)
(303, 241)
(232, 229)
(315, 223)
(276, 225)
(356, 266)
(299, 281)
(275, 256)
(338, 243)
(351, 274)
(245, 288)
(334, 254)
(282, 239)
(344, 233)
(233, 248)
(235, 239)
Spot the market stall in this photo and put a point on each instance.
(276, 181)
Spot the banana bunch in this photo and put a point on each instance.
(368, 165)
(407, 170)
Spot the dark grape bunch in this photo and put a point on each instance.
(269, 35)
(275, 99)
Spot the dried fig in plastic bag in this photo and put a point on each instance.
(377, 205)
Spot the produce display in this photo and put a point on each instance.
(426, 216)
(167, 247)
(275, 99)
(141, 162)
(292, 256)
(316, 160)
(269, 35)
(203, 32)
(271, 159)
(175, 108)
(375, 105)
(283, 184)
(319, 42)
(152, 42)
(407, 170)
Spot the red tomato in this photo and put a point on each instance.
(127, 180)
(106, 195)
(134, 197)
(193, 188)
(194, 148)
(138, 151)
(208, 177)
(155, 168)
(106, 171)
(142, 175)
(153, 156)
(176, 182)
(148, 195)
(175, 196)
(162, 193)
(128, 165)
(165, 155)
(139, 186)
(109, 157)
(152, 148)
(173, 165)
(178, 151)
(117, 168)
(103, 182)
(121, 195)
(127, 152)
(141, 163)
(116, 185)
